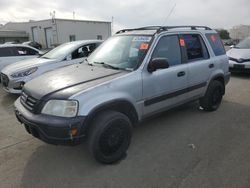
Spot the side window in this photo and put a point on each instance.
(23, 51)
(195, 47)
(216, 44)
(32, 52)
(83, 51)
(6, 52)
(168, 47)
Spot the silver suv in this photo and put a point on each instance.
(133, 75)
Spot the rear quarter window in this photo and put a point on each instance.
(216, 44)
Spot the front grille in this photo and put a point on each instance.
(28, 101)
(4, 80)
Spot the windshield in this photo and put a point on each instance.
(121, 52)
(60, 51)
(245, 44)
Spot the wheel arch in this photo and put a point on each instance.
(121, 106)
(221, 79)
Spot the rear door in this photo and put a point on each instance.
(165, 87)
(199, 64)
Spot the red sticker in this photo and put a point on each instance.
(182, 42)
(144, 46)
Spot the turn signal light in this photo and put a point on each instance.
(73, 131)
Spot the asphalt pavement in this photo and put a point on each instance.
(184, 147)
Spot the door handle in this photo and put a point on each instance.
(180, 74)
(211, 66)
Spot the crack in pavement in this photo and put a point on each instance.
(6, 147)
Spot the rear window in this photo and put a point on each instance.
(216, 44)
(6, 52)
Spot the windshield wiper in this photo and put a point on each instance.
(44, 57)
(107, 65)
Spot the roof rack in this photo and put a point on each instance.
(164, 28)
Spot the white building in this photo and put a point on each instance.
(53, 32)
(240, 32)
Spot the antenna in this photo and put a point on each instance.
(170, 13)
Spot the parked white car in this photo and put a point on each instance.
(239, 57)
(12, 53)
(14, 76)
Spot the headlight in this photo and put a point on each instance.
(62, 108)
(24, 73)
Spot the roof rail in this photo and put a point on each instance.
(164, 28)
(192, 27)
(141, 28)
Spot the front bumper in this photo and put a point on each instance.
(50, 129)
(239, 67)
(11, 85)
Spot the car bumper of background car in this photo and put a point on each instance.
(50, 129)
(11, 85)
(239, 67)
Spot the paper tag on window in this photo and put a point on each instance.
(141, 39)
(182, 42)
(144, 46)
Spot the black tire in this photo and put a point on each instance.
(109, 137)
(213, 97)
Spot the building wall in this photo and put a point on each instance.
(240, 32)
(61, 30)
(27, 26)
(13, 36)
(82, 30)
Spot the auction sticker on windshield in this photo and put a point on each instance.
(142, 39)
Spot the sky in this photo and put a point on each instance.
(132, 13)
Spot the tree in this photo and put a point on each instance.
(224, 34)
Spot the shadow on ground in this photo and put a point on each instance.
(184, 147)
(241, 75)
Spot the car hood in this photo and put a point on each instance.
(239, 53)
(26, 64)
(69, 80)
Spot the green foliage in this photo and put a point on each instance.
(224, 34)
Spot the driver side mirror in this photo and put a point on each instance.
(157, 63)
(69, 57)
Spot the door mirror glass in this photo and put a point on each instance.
(157, 63)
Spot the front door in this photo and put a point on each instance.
(165, 87)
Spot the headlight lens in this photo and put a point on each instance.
(61, 108)
(24, 73)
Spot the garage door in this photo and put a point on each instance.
(35, 34)
(49, 37)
